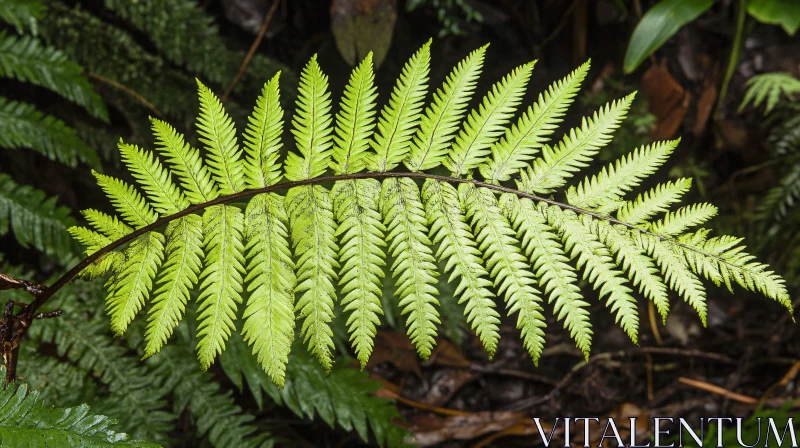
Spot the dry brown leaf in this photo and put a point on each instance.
(432, 429)
(667, 99)
(446, 383)
(361, 26)
(447, 354)
(396, 349)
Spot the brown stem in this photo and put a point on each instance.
(125, 89)
(64, 279)
(253, 48)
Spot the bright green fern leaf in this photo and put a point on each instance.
(414, 268)
(313, 232)
(355, 120)
(550, 264)
(575, 150)
(361, 234)
(179, 275)
(269, 316)
(154, 179)
(221, 279)
(523, 140)
(604, 191)
(506, 264)
(132, 282)
(647, 204)
(217, 133)
(312, 125)
(401, 115)
(457, 248)
(485, 124)
(185, 162)
(440, 122)
(263, 138)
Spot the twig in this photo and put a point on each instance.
(717, 390)
(527, 403)
(793, 371)
(253, 48)
(651, 313)
(733, 60)
(127, 90)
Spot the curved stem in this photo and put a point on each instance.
(48, 292)
(43, 295)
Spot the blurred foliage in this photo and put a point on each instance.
(453, 15)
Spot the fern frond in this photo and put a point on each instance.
(722, 260)
(557, 164)
(92, 242)
(550, 263)
(343, 397)
(361, 234)
(313, 232)
(414, 268)
(769, 87)
(24, 127)
(221, 279)
(262, 138)
(522, 140)
(458, 250)
(269, 315)
(676, 271)
(185, 33)
(36, 220)
(440, 122)
(506, 264)
(677, 222)
(780, 200)
(165, 197)
(605, 191)
(640, 267)
(401, 115)
(355, 120)
(597, 265)
(109, 226)
(22, 14)
(312, 125)
(126, 200)
(178, 276)
(485, 124)
(213, 411)
(25, 59)
(519, 245)
(26, 421)
(218, 134)
(185, 162)
(654, 201)
(132, 283)
(131, 392)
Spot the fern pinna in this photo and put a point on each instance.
(350, 210)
